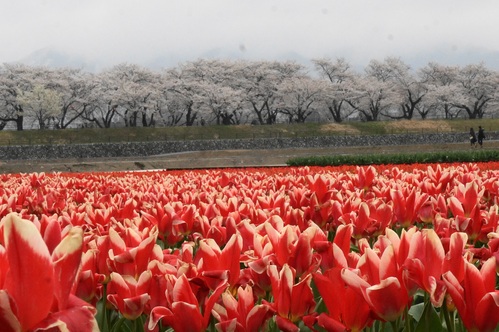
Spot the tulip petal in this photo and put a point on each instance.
(256, 317)
(343, 238)
(387, 264)
(67, 257)
(474, 289)
(389, 288)
(456, 292)
(8, 321)
(332, 289)
(182, 291)
(487, 312)
(454, 260)
(355, 281)
(286, 325)
(186, 317)
(31, 275)
(4, 265)
(302, 299)
(282, 285)
(73, 319)
(434, 253)
(330, 324)
(157, 314)
(488, 273)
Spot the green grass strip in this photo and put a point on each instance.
(397, 158)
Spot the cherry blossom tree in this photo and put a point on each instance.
(74, 87)
(405, 83)
(104, 101)
(259, 82)
(44, 104)
(373, 97)
(218, 94)
(339, 75)
(223, 102)
(479, 87)
(300, 96)
(441, 84)
(137, 88)
(16, 80)
(242, 91)
(180, 90)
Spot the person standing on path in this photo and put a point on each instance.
(480, 136)
(472, 137)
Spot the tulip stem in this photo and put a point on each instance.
(395, 325)
(104, 323)
(117, 326)
(407, 320)
(138, 324)
(450, 325)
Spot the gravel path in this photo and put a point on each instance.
(212, 159)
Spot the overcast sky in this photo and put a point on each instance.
(163, 32)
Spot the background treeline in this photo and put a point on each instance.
(242, 92)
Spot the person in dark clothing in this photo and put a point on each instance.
(472, 137)
(480, 136)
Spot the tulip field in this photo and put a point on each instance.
(371, 248)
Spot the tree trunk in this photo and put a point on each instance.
(19, 122)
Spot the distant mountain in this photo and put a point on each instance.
(51, 57)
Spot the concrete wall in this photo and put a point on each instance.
(97, 150)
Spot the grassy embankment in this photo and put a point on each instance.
(95, 135)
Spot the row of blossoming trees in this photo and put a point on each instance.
(322, 249)
(238, 92)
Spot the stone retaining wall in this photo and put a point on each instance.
(98, 150)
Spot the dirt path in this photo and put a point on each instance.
(212, 159)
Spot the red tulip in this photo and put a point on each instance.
(89, 286)
(408, 204)
(361, 220)
(378, 279)
(291, 301)
(131, 251)
(210, 258)
(454, 258)
(241, 314)
(366, 177)
(33, 276)
(184, 312)
(50, 228)
(320, 187)
(371, 218)
(128, 295)
(345, 305)
(387, 299)
(466, 209)
(424, 263)
(438, 179)
(166, 220)
(476, 299)
(337, 253)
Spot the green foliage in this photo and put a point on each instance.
(399, 158)
(427, 317)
